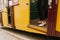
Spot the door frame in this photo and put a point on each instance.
(52, 18)
(12, 15)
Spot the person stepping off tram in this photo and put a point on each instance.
(42, 11)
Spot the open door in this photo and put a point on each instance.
(47, 10)
(39, 15)
(38, 12)
(11, 13)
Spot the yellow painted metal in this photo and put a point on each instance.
(22, 16)
(5, 17)
(38, 28)
(58, 18)
(5, 13)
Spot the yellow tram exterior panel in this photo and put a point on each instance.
(5, 17)
(58, 18)
(22, 16)
(21, 13)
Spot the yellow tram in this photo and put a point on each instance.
(18, 15)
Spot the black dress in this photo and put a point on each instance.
(42, 9)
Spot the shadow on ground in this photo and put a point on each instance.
(32, 35)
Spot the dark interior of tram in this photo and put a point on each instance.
(38, 12)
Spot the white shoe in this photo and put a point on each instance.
(42, 24)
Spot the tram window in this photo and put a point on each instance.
(38, 12)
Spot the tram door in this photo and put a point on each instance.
(11, 14)
(43, 14)
(11, 4)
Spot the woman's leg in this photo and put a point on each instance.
(43, 12)
(39, 10)
(46, 8)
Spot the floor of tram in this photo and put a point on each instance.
(35, 22)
